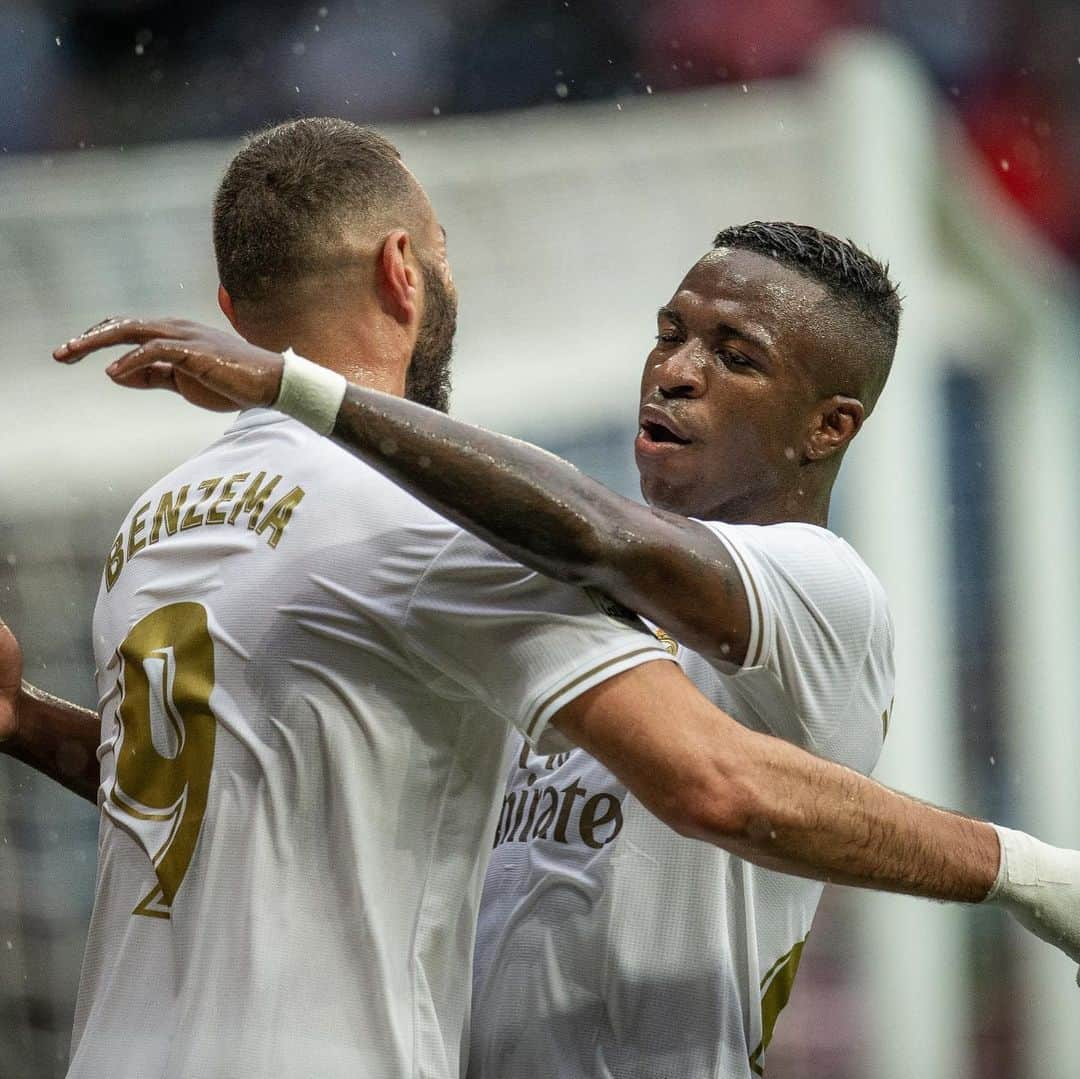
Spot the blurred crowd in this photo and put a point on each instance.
(78, 73)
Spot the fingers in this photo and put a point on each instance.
(149, 365)
(155, 376)
(118, 331)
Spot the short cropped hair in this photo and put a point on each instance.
(288, 195)
(851, 276)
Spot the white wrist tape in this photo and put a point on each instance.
(1040, 886)
(310, 393)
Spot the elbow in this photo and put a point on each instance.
(723, 808)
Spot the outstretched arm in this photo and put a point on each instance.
(530, 504)
(55, 737)
(692, 765)
(710, 778)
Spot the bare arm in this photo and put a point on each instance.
(710, 778)
(54, 737)
(530, 504)
(543, 512)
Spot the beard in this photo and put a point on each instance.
(427, 382)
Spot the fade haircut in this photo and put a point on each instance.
(852, 277)
(290, 194)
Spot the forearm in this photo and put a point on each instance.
(58, 739)
(768, 801)
(814, 818)
(530, 504)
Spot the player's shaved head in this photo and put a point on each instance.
(866, 318)
(297, 200)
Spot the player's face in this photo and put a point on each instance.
(727, 393)
(427, 380)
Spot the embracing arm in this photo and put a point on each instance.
(530, 504)
(54, 737)
(709, 778)
(543, 512)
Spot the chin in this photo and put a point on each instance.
(666, 496)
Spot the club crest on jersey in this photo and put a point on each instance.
(616, 611)
(667, 641)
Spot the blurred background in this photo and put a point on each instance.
(581, 156)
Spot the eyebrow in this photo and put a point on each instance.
(722, 328)
(672, 316)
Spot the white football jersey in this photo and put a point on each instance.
(609, 947)
(307, 682)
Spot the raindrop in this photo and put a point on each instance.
(299, 48)
(618, 106)
(648, 88)
(993, 760)
(140, 49)
(561, 89)
(436, 111)
(1004, 164)
(323, 12)
(745, 88)
(11, 559)
(57, 39)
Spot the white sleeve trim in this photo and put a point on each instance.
(757, 650)
(574, 684)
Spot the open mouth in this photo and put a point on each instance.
(657, 432)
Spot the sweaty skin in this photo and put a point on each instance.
(699, 770)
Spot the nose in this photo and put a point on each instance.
(681, 374)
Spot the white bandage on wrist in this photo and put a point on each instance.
(1039, 885)
(310, 393)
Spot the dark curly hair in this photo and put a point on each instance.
(851, 276)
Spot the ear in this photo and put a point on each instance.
(225, 303)
(399, 277)
(836, 423)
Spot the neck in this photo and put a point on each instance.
(369, 351)
(807, 504)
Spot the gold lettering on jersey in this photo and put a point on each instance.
(136, 541)
(204, 511)
(114, 564)
(214, 515)
(253, 499)
(167, 673)
(193, 518)
(167, 514)
(564, 814)
(279, 516)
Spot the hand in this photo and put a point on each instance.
(214, 370)
(11, 666)
(1039, 885)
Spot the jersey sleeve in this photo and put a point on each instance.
(821, 639)
(521, 644)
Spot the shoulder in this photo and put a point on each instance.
(808, 585)
(801, 555)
